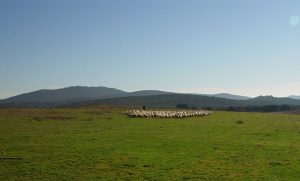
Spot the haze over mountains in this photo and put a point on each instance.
(79, 95)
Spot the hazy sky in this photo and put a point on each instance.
(249, 47)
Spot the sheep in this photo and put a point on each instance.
(166, 114)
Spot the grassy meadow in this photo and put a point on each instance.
(102, 143)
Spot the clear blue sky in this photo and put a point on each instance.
(249, 47)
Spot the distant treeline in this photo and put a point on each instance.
(266, 108)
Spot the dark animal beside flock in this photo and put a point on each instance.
(166, 114)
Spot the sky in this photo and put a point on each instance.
(246, 47)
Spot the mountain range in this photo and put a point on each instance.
(80, 96)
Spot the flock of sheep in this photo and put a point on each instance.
(166, 114)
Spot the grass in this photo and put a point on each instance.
(99, 143)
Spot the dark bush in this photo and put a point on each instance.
(239, 122)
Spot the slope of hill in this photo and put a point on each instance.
(163, 101)
(64, 94)
(199, 101)
(294, 97)
(75, 93)
(50, 98)
(270, 100)
(231, 96)
(147, 93)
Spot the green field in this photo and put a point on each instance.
(104, 144)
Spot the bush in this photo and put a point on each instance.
(239, 122)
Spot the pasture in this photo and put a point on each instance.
(102, 143)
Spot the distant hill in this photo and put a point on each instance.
(294, 97)
(163, 101)
(147, 93)
(49, 98)
(230, 96)
(270, 100)
(75, 93)
(199, 101)
(78, 95)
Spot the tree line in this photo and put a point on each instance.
(266, 108)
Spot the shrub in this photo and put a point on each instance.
(239, 122)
